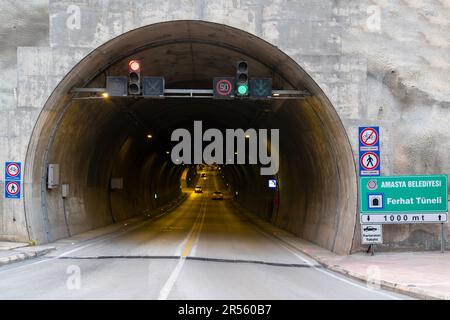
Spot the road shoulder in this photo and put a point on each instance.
(406, 273)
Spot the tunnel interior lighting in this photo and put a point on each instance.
(149, 136)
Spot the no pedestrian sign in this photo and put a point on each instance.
(12, 189)
(369, 151)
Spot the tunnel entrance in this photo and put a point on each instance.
(113, 153)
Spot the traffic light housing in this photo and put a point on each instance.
(242, 79)
(134, 77)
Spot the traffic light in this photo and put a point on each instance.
(134, 77)
(242, 78)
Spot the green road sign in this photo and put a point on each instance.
(403, 199)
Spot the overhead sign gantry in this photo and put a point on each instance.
(241, 86)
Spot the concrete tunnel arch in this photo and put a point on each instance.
(97, 139)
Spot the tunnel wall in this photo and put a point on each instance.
(372, 74)
(92, 148)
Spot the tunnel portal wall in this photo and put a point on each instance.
(367, 83)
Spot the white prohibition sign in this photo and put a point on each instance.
(369, 160)
(13, 169)
(12, 188)
(368, 137)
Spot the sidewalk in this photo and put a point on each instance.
(424, 275)
(16, 251)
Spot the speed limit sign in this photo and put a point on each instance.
(223, 87)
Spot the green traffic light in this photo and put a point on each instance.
(242, 89)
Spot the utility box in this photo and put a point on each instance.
(116, 183)
(65, 190)
(53, 176)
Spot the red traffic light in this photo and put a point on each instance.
(134, 65)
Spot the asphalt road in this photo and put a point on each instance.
(201, 250)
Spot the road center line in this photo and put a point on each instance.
(193, 233)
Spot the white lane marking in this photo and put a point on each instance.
(336, 276)
(167, 288)
(314, 266)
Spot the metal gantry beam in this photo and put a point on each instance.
(190, 93)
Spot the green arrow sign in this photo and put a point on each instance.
(396, 199)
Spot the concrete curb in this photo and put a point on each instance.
(388, 285)
(21, 255)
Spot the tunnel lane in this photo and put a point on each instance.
(203, 249)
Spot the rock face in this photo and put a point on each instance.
(379, 62)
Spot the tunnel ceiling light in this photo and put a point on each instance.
(167, 152)
(149, 136)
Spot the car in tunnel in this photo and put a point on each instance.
(217, 195)
(198, 189)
